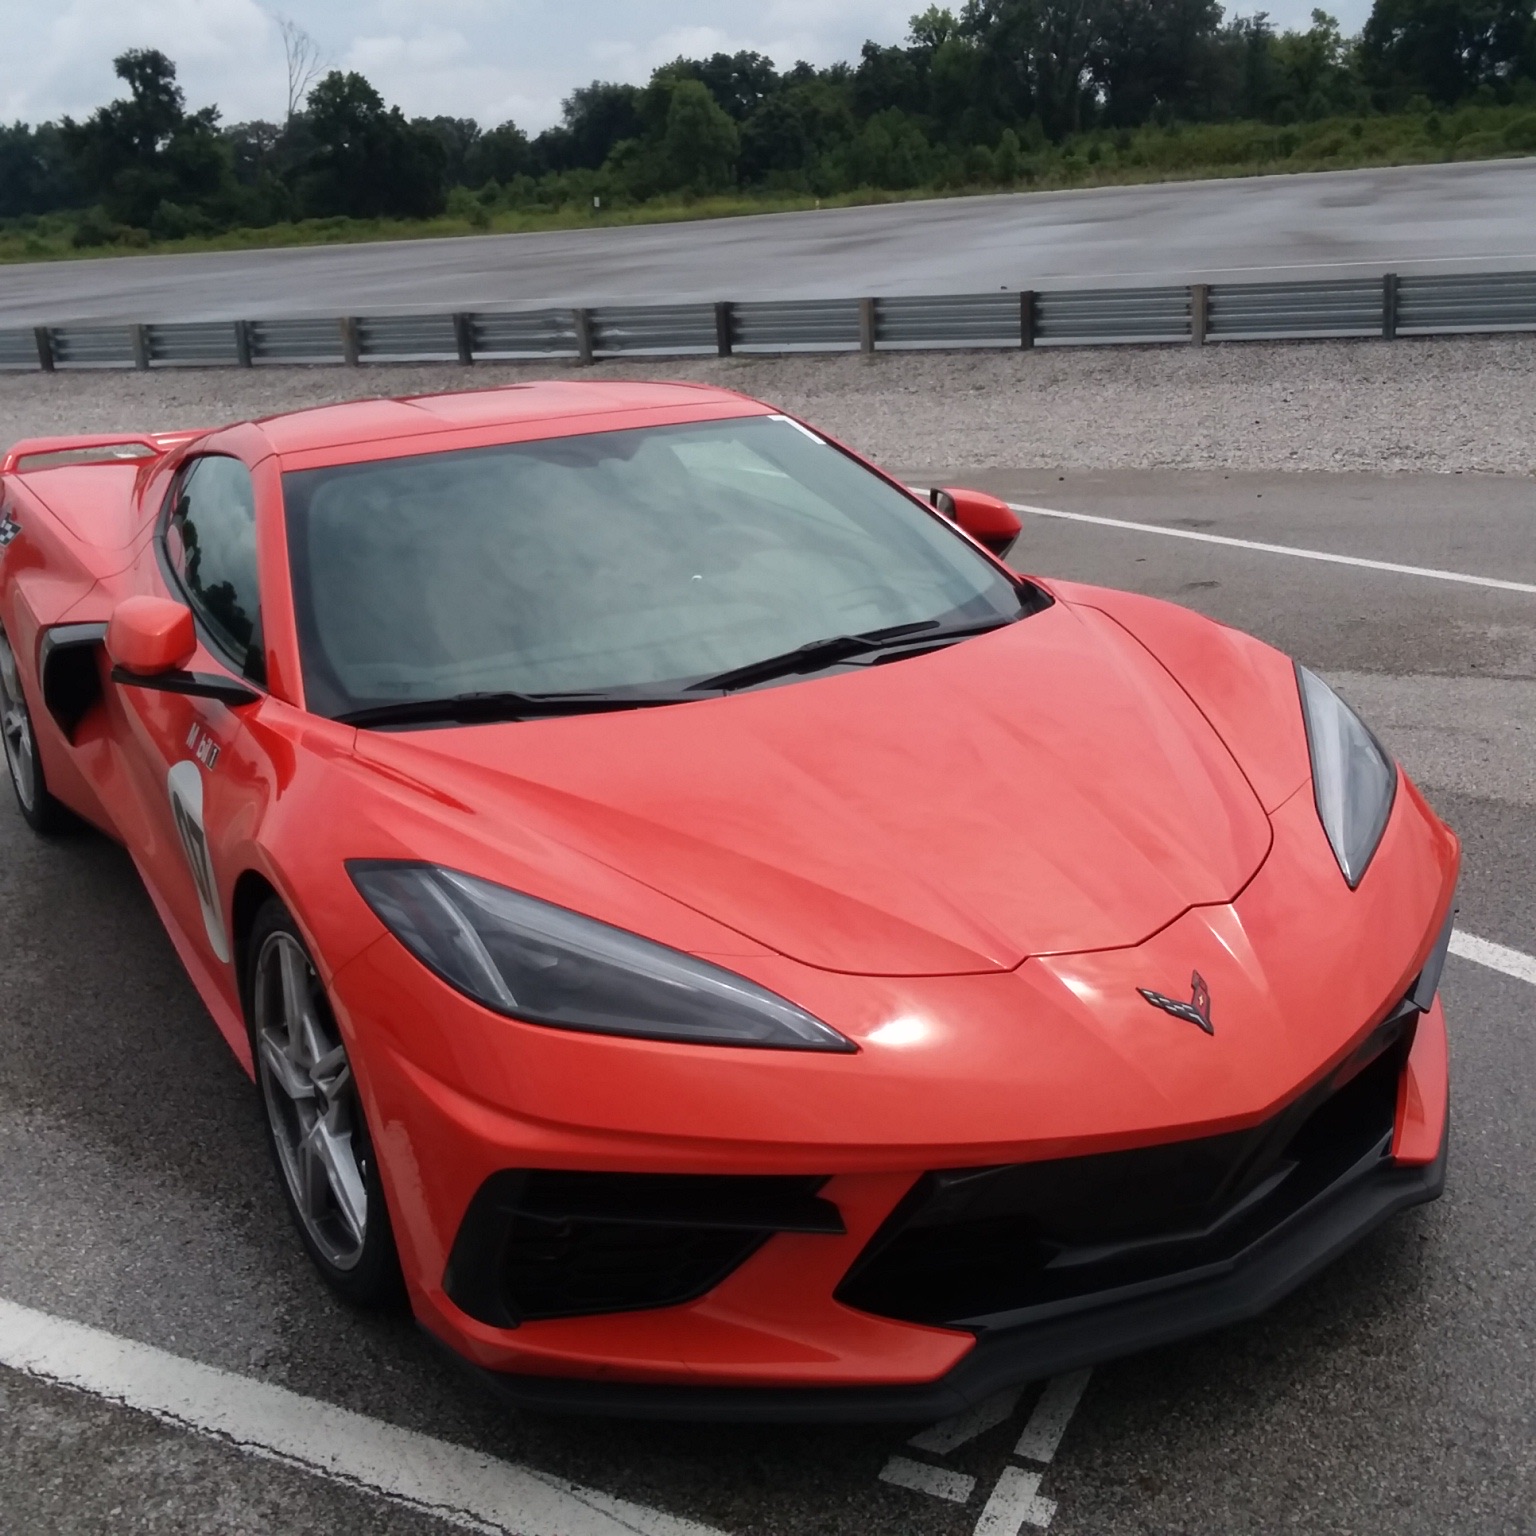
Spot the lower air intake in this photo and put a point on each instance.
(997, 1247)
(543, 1243)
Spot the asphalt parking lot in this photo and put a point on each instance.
(1396, 1392)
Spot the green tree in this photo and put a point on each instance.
(889, 79)
(366, 160)
(1446, 49)
(500, 154)
(739, 82)
(891, 151)
(956, 103)
(146, 149)
(34, 171)
(700, 144)
(460, 138)
(1037, 57)
(595, 119)
(775, 141)
(1151, 56)
(1008, 162)
(1314, 71)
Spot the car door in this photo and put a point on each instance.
(179, 750)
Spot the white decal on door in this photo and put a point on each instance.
(185, 783)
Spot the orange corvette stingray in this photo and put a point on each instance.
(723, 940)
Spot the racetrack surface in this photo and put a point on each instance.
(1392, 1393)
(1465, 217)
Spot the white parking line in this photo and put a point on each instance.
(1048, 1423)
(1015, 1503)
(941, 1482)
(457, 1485)
(1495, 956)
(944, 1436)
(1278, 549)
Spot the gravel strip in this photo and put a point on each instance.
(1446, 404)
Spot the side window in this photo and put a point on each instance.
(210, 541)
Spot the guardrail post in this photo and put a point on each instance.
(1389, 307)
(464, 338)
(138, 335)
(243, 343)
(725, 334)
(866, 325)
(351, 347)
(1027, 318)
(43, 336)
(1199, 312)
(583, 319)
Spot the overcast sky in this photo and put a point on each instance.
(489, 59)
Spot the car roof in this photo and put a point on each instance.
(516, 406)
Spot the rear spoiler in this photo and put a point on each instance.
(90, 448)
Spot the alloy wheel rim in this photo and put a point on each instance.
(16, 728)
(311, 1100)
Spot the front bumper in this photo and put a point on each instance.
(1404, 1169)
(1232, 1292)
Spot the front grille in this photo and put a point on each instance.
(546, 1243)
(972, 1246)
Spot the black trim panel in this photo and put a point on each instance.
(196, 685)
(70, 672)
(1424, 989)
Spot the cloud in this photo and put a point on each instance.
(59, 59)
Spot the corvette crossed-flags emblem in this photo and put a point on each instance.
(1196, 1011)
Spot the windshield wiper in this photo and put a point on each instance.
(819, 654)
(486, 708)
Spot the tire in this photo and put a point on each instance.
(316, 1128)
(45, 815)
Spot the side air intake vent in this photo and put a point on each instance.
(545, 1243)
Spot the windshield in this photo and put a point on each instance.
(618, 560)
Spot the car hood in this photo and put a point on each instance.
(1047, 788)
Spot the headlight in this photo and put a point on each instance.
(542, 963)
(1352, 777)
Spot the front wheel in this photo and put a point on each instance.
(43, 813)
(315, 1122)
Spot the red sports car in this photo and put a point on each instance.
(719, 937)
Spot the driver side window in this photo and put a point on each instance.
(210, 541)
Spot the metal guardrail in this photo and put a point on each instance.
(1087, 316)
(1351, 307)
(1387, 307)
(1495, 301)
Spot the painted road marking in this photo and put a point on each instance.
(1495, 956)
(1279, 549)
(1015, 1503)
(1015, 1500)
(1048, 1423)
(455, 1484)
(941, 1482)
(944, 1436)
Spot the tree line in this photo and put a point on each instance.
(985, 96)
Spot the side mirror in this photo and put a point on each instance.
(149, 642)
(988, 519)
(148, 636)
